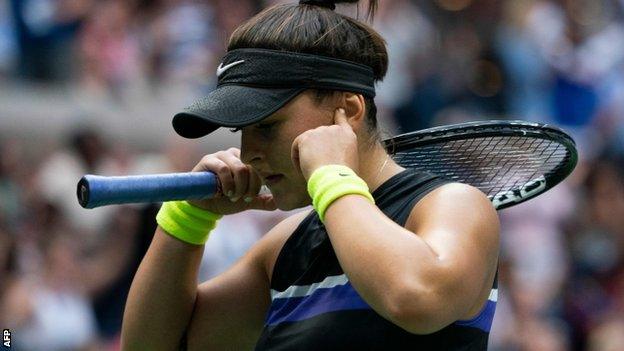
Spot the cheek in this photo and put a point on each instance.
(278, 145)
(308, 117)
(290, 133)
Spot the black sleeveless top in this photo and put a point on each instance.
(314, 306)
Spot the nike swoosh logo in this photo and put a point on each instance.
(344, 174)
(223, 68)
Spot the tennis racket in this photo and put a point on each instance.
(510, 161)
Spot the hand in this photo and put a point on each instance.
(239, 185)
(326, 145)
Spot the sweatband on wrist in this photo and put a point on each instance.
(330, 182)
(186, 222)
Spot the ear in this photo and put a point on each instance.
(355, 109)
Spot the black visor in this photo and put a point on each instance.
(254, 83)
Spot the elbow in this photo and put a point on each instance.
(419, 311)
(420, 325)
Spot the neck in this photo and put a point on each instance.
(376, 166)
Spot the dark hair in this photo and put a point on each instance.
(316, 29)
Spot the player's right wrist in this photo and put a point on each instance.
(186, 222)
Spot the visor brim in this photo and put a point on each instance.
(230, 106)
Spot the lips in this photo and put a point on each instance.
(272, 179)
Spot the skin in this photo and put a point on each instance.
(437, 269)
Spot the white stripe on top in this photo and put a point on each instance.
(493, 295)
(330, 282)
(306, 290)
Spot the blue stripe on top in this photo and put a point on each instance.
(335, 293)
(483, 320)
(321, 300)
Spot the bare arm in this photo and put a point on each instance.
(164, 291)
(230, 309)
(436, 270)
(161, 299)
(224, 313)
(433, 272)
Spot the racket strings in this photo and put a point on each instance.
(493, 164)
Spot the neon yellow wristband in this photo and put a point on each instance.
(186, 222)
(330, 182)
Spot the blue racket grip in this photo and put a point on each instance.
(95, 191)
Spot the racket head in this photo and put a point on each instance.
(510, 161)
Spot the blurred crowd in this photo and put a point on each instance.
(65, 271)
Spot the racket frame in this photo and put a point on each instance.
(494, 128)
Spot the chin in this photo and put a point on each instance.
(290, 207)
(287, 202)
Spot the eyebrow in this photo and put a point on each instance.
(275, 118)
(271, 119)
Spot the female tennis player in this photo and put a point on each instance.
(389, 258)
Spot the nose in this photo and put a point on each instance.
(251, 149)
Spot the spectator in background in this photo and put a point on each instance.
(11, 191)
(8, 269)
(410, 38)
(50, 312)
(232, 14)
(50, 307)
(224, 248)
(46, 30)
(457, 77)
(528, 75)
(109, 50)
(608, 334)
(553, 61)
(59, 274)
(58, 176)
(8, 42)
(593, 297)
(181, 43)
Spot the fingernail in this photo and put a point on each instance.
(234, 199)
(341, 110)
(248, 199)
(229, 193)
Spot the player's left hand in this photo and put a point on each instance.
(326, 145)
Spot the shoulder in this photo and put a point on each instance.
(454, 197)
(460, 225)
(457, 192)
(269, 247)
(455, 206)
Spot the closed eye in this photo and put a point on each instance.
(264, 125)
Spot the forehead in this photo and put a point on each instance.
(302, 113)
(303, 105)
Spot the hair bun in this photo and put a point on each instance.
(322, 3)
